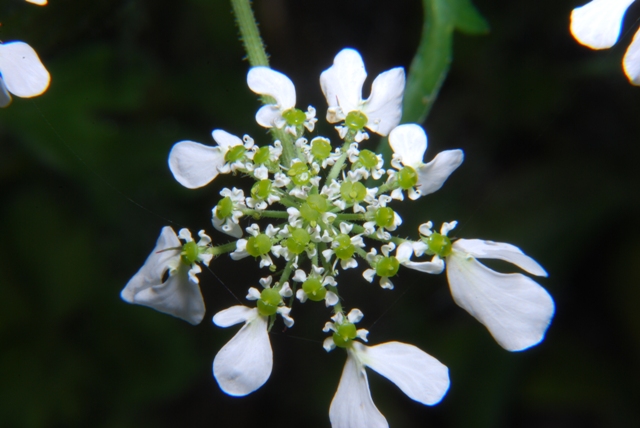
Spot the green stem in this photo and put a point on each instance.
(265, 213)
(221, 249)
(249, 33)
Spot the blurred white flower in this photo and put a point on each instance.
(21, 72)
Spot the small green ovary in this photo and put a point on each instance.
(345, 248)
(261, 156)
(353, 192)
(314, 207)
(407, 177)
(235, 153)
(224, 208)
(439, 244)
(384, 217)
(298, 241)
(314, 290)
(261, 190)
(299, 173)
(258, 245)
(356, 120)
(294, 117)
(320, 148)
(269, 301)
(190, 252)
(344, 334)
(368, 159)
(387, 266)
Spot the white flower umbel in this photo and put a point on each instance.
(409, 143)
(515, 309)
(21, 72)
(244, 364)
(597, 25)
(195, 165)
(342, 86)
(265, 81)
(179, 295)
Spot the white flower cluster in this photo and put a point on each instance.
(315, 209)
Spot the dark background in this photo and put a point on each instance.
(550, 132)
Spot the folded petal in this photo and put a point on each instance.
(234, 315)
(597, 23)
(419, 375)
(269, 116)
(193, 164)
(342, 82)
(631, 61)
(352, 406)
(383, 108)
(23, 73)
(482, 249)
(409, 141)
(244, 363)
(5, 98)
(404, 253)
(265, 81)
(432, 176)
(515, 309)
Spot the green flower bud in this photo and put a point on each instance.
(299, 173)
(407, 177)
(353, 192)
(258, 245)
(387, 266)
(269, 301)
(356, 120)
(345, 248)
(190, 252)
(384, 217)
(294, 117)
(225, 208)
(439, 244)
(298, 241)
(344, 334)
(235, 153)
(314, 289)
(261, 155)
(320, 148)
(261, 190)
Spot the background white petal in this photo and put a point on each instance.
(515, 309)
(597, 23)
(383, 108)
(234, 315)
(265, 81)
(432, 176)
(342, 82)
(193, 164)
(352, 406)
(23, 73)
(410, 142)
(39, 2)
(419, 375)
(631, 61)
(499, 250)
(244, 363)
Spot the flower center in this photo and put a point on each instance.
(261, 156)
(314, 290)
(261, 190)
(299, 173)
(356, 120)
(387, 266)
(225, 208)
(294, 117)
(345, 248)
(439, 244)
(344, 334)
(407, 177)
(298, 241)
(258, 245)
(320, 148)
(269, 301)
(384, 217)
(368, 159)
(353, 192)
(235, 153)
(189, 253)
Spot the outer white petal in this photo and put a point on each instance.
(234, 315)
(404, 253)
(419, 375)
(5, 98)
(409, 141)
(269, 116)
(193, 164)
(176, 296)
(482, 249)
(225, 140)
(342, 82)
(515, 309)
(597, 23)
(39, 2)
(23, 73)
(244, 363)
(352, 406)
(383, 108)
(265, 81)
(631, 61)
(432, 176)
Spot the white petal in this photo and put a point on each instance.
(433, 267)
(225, 140)
(331, 299)
(482, 249)
(597, 23)
(631, 61)
(38, 2)
(342, 82)
(244, 363)
(234, 315)
(23, 73)
(419, 375)
(515, 309)
(432, 176)
(409, 142)
(384, 107)
(193, 164)
(265, 81)
(269, 116)
(352, 406)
